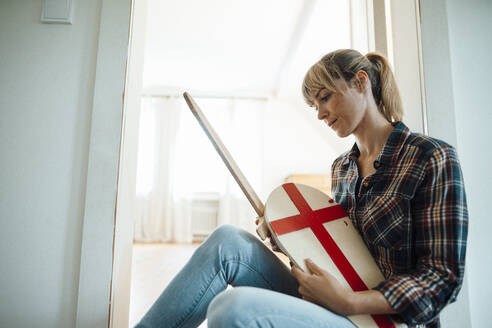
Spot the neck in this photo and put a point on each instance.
(372, 132)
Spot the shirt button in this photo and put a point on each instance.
(366, 184)
(377, 164)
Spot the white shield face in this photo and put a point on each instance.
(306, 223)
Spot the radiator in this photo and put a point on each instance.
(204, 209)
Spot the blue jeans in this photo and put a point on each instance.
(265, 293)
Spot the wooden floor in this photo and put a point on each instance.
(153, 267)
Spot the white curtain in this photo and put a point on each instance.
(244, 141)
(176, 161)
(157, 205)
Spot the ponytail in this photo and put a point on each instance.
(389, 98)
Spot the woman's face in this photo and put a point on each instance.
(341, 111)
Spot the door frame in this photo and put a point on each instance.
(126, 195)
(99, 222)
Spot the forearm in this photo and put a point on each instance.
(368, 302)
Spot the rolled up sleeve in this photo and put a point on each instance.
(440, 225)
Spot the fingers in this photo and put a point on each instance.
(306, 294)
(264, 233)
(303, 279)
(302, 291)
(313, 268)
(297, 273)
(262, 228)
(307, 298)
(259, 219)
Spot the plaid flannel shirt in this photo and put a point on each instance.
(413, 217)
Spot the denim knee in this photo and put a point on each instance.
(226, 239)
(225, 232)
(228, 308)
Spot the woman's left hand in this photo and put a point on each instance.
(320, 287)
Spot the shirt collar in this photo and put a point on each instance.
(391, 149)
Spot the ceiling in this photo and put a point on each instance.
(254, 48)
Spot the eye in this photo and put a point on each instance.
(326, 97)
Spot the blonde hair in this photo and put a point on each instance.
(346, 63)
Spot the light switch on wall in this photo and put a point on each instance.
(57, 11)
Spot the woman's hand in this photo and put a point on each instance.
(320, 287)
(275, 248)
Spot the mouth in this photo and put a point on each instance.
(330, 124)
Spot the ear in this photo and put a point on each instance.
(361, 80)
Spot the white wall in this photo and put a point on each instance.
(47, 79)
(296, 142)
(457, 46)
(470, 43)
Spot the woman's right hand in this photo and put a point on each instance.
(264, 233)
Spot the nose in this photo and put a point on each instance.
(322, 113)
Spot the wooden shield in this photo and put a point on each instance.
(306, 223)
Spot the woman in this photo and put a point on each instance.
(403, 191)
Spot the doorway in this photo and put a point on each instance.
(278, 54)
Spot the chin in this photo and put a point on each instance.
(342, 134)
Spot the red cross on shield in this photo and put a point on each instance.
(318, 220)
